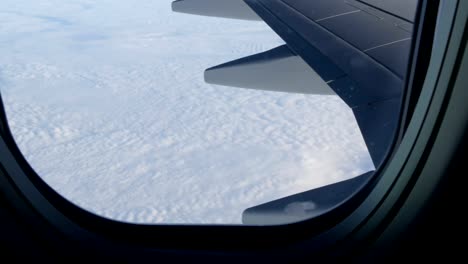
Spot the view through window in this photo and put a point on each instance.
(106, 100)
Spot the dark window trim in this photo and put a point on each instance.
(80, 225)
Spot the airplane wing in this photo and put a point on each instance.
(358, 50)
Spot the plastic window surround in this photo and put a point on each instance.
(82, 225)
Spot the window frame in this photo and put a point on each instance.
(346, 223)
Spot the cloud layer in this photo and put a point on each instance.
(106, 100)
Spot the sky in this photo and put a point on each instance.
(107, 102)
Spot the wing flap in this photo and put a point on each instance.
(374, 81)
(303, 206)
(322, 9)
(236, 9)
(275, 70)
(403, 9)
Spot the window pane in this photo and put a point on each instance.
(107, 101)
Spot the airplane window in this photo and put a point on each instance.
(203, 112)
